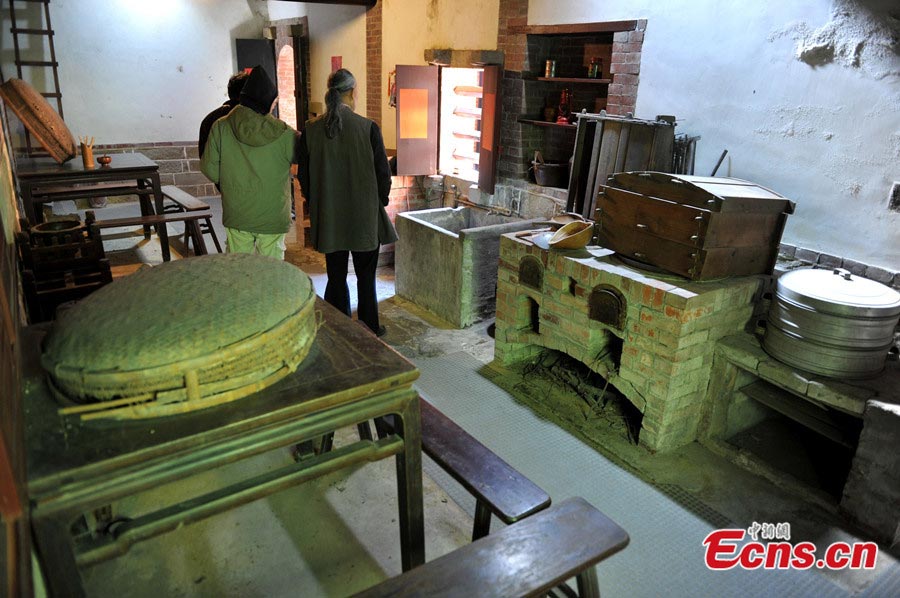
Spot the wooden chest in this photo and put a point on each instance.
(698, 227)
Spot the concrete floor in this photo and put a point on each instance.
(338, 534)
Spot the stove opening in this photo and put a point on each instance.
(589, 397)
(531, 272)
(813, 444)
(528, 314)
(608, 306)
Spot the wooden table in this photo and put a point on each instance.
(43, 180)
(75, 468)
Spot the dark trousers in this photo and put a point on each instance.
(337, 292)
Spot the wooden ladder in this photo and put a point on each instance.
(43, 30)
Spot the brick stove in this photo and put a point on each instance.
(652, 336)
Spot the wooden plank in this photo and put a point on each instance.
(802, 411)
(668, 255)
(491, 117)
(593, 181)
(609, 147)
(467, 112)
(471, 91)
(736, 195)
(417, 119)
(482, 473)
(152, 219)
(525, 559)
(639, 151)
(184, 199)
(663, 219)
(717, 262)
(545, 123)
(601, 27)
(666, 186)
(731, 229)
(580, 164)
(575, 80)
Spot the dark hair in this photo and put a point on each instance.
(236, 84)
(339, 82)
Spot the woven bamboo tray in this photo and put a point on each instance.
(40, 119)
(182, 336)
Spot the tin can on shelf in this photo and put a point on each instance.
(550, 69)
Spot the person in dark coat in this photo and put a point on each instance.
(249, 154)
(344, 175)
(235, 85)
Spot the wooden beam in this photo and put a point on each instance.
(569, 29)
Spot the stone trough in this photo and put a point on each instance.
(446, 260)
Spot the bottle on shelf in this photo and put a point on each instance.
(550, 111)
(595, 70)
(565, 106)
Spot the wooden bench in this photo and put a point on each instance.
(182, 201)
(526, 559)
(190, 219)
(497, 486)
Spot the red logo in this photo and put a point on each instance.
(726, 549)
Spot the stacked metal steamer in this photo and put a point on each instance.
(832, 323)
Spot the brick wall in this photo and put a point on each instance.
(287, 102)
(524, 59)
(179, 163)
(407, 193)
(373, 62)
(625, 67)
(790, 257)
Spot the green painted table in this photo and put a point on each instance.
(76, 468)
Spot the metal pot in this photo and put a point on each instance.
(831, 323)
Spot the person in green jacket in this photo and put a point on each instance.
(344, 174)
(249, 155)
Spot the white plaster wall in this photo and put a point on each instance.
(136, 71)
(412, 26)
(823, 130)
(285, 10)
(336, 30)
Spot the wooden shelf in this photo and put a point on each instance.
(574, 28)
(576, 80)
(544, 123)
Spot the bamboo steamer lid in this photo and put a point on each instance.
(182, 336)
(40, 119)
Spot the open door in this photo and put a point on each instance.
(417, 119)
(490, 129)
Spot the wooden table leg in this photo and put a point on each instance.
(146, 207)
(588, 587)
(54, 546)
(34, 216)
(192, 228)
(158, 201)
(409, 488)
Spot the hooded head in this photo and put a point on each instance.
(259, 92)
(235, 85)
